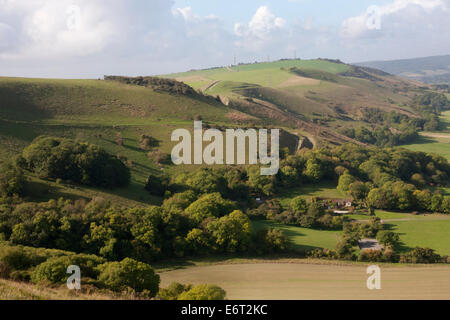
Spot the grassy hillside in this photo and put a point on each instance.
(317, 96)
(10, 290)
(97, 111)
(312, 98)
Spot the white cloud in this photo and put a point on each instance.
(45, 38)
(408, 28)
(52, 28)
(398, 10)
(261, 25)
(260, 30)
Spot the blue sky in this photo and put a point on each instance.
(91, 38)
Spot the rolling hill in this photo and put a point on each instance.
(316, 97)
(432, 70)
(310, 100)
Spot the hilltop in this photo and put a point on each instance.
(318, 97)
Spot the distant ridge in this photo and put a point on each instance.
(432, 70)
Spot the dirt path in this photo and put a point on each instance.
(211, 85)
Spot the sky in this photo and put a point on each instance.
(92, 38)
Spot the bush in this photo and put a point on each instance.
(210, 205)
(157, 185)
(319, 253)
(231, 233)
(370, 255)
(271, 241)
(388, 238)
(299, 205)
(53, 158)
(159, 157)
(147, 142)
(5, 270)
(204, 292)
(173, 291)
(12, 181)
(17, 258)
(54, 270)
(129, 273)
(420, 255)
(21, 275)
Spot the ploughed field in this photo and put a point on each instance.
(303, 281)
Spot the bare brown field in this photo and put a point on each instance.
(306, 281)
(299, 81)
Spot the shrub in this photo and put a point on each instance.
(129, 273)
(159, 157)
(299, 205)
(12, 181)
(210, 205)
(204, 292)
(54, 270)
(271, 241)
(53, 158)
(147, 142)
(388, 238)
(157, 185)
(17, 258)
(370, 255)
(5, 270)
(420, 255)
(173, 291)
(232, 233)
(21, 275)
(322, 254)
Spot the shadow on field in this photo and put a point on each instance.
(423, 140)
(402, 247)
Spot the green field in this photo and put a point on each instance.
(432, 234)
(322, 189)
(415, 230)
(431, 145)
(439, 143)
(303, 238)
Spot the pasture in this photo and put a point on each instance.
(435, 142)
(303, 238)
(428, 233)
